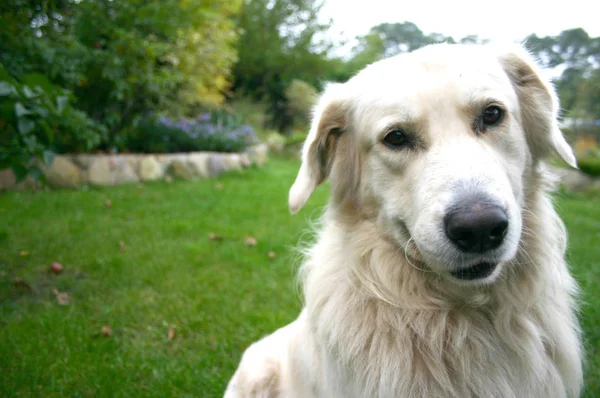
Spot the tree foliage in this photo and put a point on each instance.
(301, 98)
(117, 61)
(368, 49)
(153, 55)
(389, 39)
(279, 41)
(578, 56)
(31, 110)
(77, 75)
(589, 94)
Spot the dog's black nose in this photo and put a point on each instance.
(477, 228)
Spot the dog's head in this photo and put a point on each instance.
(436, 146)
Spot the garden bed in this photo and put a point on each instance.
(73, 171)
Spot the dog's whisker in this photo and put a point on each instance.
(408, 259)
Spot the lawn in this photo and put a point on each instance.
(181, 307)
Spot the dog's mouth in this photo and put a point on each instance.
(477, 271)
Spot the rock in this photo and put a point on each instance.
(234, 162)
(150, 169)
(216, 165)
(183, 157)
(7, 179)
(259, 154)
(100, 171)
(245, 159)
(84, 160)
(124, 172)
(198, 164)
(111, 170)
(180, 169)
(72, 171)
(133, 161)
(164, 161)
(63, 174)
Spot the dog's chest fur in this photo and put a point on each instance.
(428, 354)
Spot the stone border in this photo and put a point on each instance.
(73, 171)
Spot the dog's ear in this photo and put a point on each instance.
(538, 103)
(328, 124)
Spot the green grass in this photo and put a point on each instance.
(219, 295)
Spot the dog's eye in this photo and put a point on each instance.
(396, 139)
(492, 115)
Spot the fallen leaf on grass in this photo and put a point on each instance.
(171, 334)
(250, 240)
(106, 331)
(23, 253)
(214, 236)
(107, 203)
(57, 268)
(122, 245)
(61, 297)
(272, 255)
(219, 186)
(20, 283)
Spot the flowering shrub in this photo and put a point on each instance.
(37, 119)
(218, 132)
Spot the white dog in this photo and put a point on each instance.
(439, 268)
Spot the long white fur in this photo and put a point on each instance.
(382, 319)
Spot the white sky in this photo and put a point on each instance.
(500, 20)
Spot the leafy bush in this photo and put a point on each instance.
(76, 132)
(276, 141)
(301, 97)
(36, 120)
(218, 132)
(122, 59)
(252, 111)
(589, 165)
(296, 138)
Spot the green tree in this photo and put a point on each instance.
(301, 98)
(578, 55)
(589, 95)
(570, 49)
(389, 39)
(206, 51)
(153, 55)
(403, 37)
(279, 42)
(38, 59)
(369, 49)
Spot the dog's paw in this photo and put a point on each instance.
(257, 377)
